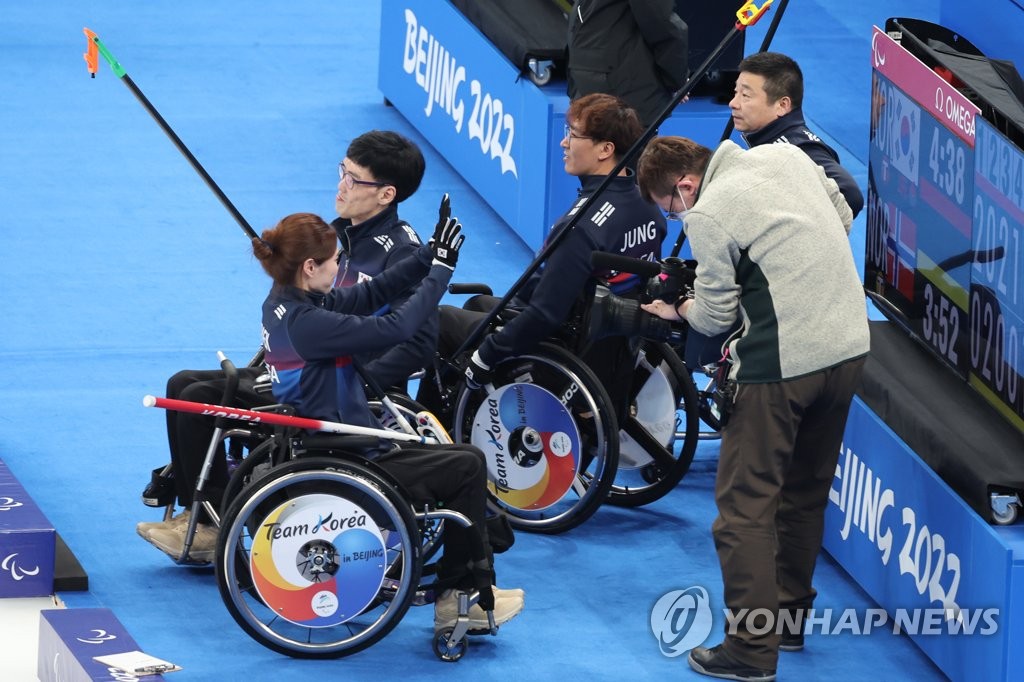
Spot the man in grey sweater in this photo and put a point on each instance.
(769, 232)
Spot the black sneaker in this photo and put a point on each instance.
(791, 642)
(717, 662)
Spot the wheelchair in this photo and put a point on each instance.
(557, 445)
(323, 556)
(705, 357)
(320, 552)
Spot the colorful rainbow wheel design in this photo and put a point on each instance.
(318, 560)
(531, 443)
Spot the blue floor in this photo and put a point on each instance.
(120, 267)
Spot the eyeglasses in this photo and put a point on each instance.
(675, 215)
(670, 214)
(573, 135)
(349, 180)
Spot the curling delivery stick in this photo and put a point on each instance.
(97, 48)
(257, 417)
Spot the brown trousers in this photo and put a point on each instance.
(778, 458)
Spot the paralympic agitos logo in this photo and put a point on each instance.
(17, 572)
(8, 503)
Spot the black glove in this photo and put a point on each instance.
(478, 373)
(447, 239)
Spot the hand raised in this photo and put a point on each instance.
(447, 238)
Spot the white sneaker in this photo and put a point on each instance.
(171, 541)
(143, 527)
(446, 611)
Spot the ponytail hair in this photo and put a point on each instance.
(283, 249)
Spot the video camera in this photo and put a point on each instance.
(612, 315)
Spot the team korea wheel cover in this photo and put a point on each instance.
(531, 443)
(318, 560)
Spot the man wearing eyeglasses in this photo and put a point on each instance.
(600, 128)
(380, 170)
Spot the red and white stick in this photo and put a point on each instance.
(272, 418)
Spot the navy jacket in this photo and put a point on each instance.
(368, 249)
(619, 222)
(309, 338)
(792, 129)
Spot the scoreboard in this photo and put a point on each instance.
(996, 301)
(945, 210)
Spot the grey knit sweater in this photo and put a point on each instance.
(769, 232)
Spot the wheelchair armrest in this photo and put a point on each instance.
(257, 359)
(267, 429)
(470, 288)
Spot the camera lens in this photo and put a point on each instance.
(611, 315)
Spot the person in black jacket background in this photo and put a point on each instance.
(634, 49)
(766, 108)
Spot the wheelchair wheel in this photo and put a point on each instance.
(306, 558)
(449, 652)
(550, 437)
(663, 402)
